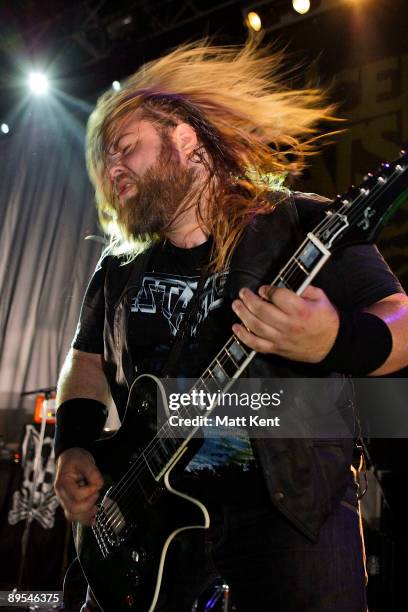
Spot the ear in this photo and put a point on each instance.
(185, 140)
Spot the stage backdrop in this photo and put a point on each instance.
(46, 213)
(360, 50)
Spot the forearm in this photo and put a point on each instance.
(82, 376)
(393, 310)
(82, 400)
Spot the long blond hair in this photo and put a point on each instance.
(251, 125)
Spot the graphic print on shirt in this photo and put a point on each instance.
(169, 296)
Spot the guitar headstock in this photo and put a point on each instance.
(359, 214)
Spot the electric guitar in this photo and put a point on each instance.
(123, 555)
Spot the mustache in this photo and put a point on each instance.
(123, 180)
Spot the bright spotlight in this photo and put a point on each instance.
(301, 6)
(254, 21)
(38, 83)
(4, 128)
(116, 85)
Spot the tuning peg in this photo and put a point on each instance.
(399, 168)
(385, 165)
(368, 175)
(402, 152)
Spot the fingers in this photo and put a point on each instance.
(285, 300)
(75, 492)
(78, 484)
(260, 345)
(300, 328)
(313, 293)
(92, 475)
(252, 309)
(278, 305)
(82, 511)
(79, 503)
(272, 322)
(253, 326)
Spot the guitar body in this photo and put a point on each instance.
(124, 554)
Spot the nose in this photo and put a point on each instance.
(116, 169)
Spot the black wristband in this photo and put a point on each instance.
(362, 345)
(79, 422)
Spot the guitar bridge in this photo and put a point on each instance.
(110, 527)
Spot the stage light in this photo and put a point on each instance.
(301, 6)
(4, 128)
(38, 83)
(254, 21)
(116, 85)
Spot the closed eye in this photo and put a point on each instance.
(129, 149)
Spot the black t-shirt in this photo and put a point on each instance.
(157, 310)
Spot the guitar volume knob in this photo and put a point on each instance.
(134, 577)
(129, 601)
(138, 556)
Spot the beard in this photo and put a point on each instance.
(158, 197)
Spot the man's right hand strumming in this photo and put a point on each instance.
(78, 483)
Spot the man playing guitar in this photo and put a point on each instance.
(184, 160)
